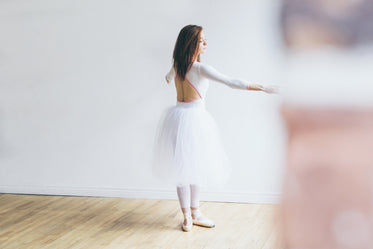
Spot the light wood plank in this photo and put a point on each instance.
(34, 221)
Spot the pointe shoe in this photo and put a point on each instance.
(188, 226)
(201, 220)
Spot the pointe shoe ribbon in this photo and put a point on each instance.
(188, 218)
(201, 220)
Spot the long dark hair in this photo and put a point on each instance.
(186, 48)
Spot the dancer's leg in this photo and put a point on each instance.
(194, 194)
(198, 217)
(183, 192)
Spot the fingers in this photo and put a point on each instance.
(271, 89)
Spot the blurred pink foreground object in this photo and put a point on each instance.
(328, 184)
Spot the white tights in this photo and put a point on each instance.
(188, 195)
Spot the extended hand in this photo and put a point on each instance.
(271, 89)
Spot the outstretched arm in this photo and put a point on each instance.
(211, 73)
(170, 75)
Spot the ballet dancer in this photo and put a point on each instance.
(188, 151)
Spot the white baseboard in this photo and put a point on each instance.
(219, 196)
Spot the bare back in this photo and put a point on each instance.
(186, 92)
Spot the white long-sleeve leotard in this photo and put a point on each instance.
(200, 74)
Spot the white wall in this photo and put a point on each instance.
(82, 88)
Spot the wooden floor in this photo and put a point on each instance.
(32, 221)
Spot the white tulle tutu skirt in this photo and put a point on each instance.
(188, 147)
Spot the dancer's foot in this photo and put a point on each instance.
(200, 220)
(188, 222)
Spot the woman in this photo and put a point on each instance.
(188, 150)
